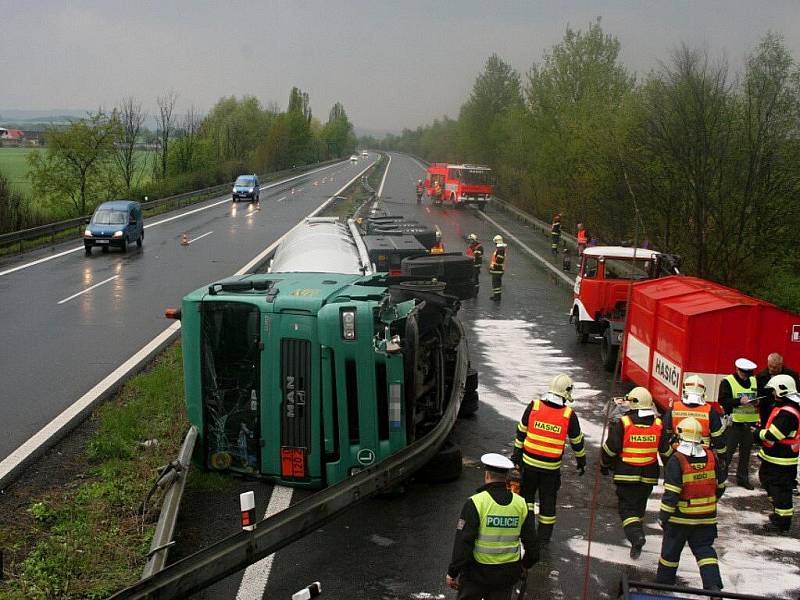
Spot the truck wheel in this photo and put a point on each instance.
(471, 383)
(140, 241)
(124, 245)
(579, 333)
(608, 351)
(444, 467)
(469, 405)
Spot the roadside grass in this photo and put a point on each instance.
(344, 209)
(14, 165)
(88, 536)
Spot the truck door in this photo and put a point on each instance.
(231, 379)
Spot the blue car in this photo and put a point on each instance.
(246, 188)
(116, 223)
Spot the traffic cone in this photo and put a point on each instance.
(292, 191)
(316, 183)
(184, 240)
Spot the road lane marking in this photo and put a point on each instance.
(200, 237)
(527, 249)
(385, 173)
(167, 220)
(89, 289)
(282, 198)
(254, 580)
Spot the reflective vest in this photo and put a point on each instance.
(476, 252)
(681, 411)
(792, 440)
(640, 442)
(500, 528)
(698, 500)
(438, 248)
(498, 262)
(546, 436)
(747, 413)
(581, 237)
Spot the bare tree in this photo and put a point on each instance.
(187, 144)
(130, 117)
(166, 125)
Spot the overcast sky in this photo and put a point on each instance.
(392, 64)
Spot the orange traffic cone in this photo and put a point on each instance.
(184, 240)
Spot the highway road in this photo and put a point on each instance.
(68, 320)
(399, 547)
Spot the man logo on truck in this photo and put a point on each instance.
(294, 397)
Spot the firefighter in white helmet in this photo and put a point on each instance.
(692, 403)
(693, 482)
(631, 450)
(497, 267)
(780, 444)
(542, 433)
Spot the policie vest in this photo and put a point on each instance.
(640, 442)
(702, 413)
(547, 435)
(500, 528)
(747, 413)
(698, 500)
(792, 440)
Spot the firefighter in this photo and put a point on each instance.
(582, 238)
(497, 266)
(693, 482)
(487, 558)
(437, 192)
(555, 234)
(780, 443)
(693, 404)
(438, 247)
(475, 250)
(738, 396)
(419, 190)
(631, 450)
(542, 433)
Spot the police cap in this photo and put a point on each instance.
(745, 364)
(497, 462)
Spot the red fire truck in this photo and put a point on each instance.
(460, 184)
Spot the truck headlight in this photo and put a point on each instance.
(348, 319)
(87, 233)
(117, 234)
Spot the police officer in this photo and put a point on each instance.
(693, 404)
(475, 250)
(497, 266)
(542, 433)
(487, 558)
(780, 443)
(693, 482)
(631, 449)
(738, 395)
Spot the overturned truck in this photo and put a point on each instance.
(321, 367)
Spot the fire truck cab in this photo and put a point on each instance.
(461, 184)
(601, 291)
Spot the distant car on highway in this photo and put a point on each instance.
(354, 158)
(116, 223)
(364, 153)
(246, 188)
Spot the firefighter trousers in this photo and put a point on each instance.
(476, 273)
(701, 539)
(546, 484)
(470, 590)
(778, 482)
(555, 240)
(740, 438)
(497, 284)
(632, 506)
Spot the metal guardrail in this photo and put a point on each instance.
(176, 201)
(175, 478)
(202, 569)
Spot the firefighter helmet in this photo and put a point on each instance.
(639, 398)
(784, 387)
(694, 390)
(473, 237)
(438, 235)
(561, 387)
(498, 239)
(690, 430)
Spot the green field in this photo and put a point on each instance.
(14, 165)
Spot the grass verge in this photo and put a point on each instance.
(358, 194)
(83, 533)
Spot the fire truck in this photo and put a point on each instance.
(461, 184)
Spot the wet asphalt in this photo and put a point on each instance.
(399, 547)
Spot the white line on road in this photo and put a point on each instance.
(200, 237)
(89, 289)
(282, 198)
(385, 173)
(526, 248)
(255, 578)
(167, 220)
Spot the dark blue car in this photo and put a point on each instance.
(246, 188)
(116, 223)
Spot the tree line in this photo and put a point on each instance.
(695, 157)
(99, 157)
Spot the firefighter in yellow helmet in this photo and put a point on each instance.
(497, 267)
(475, 250)
(542, 433)
(693, 482)
(631, 450)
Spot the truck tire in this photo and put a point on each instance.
(580, 334)
(471, 383)
(608, 351)
(469, 405)
(444, 467)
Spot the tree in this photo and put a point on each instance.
(78, 157)
(166, 124)
(337, 135)
(185, 145)
(130, 119)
